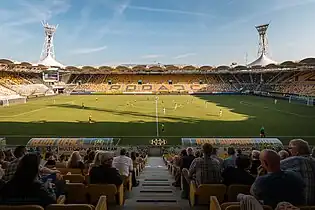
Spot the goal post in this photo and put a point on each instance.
(4, 102)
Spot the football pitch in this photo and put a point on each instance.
(137, 119)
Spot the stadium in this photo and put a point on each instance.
(131, 102)
(157, 136)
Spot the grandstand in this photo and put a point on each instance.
(287, 78)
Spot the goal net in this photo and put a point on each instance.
(307, 100)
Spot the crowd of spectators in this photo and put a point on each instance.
(31, 178)
(274, 176)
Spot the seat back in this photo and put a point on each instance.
(214, 203)
(70, 207)
(307, 208)
(233, 207)
(234, 189)
(60, 165)
(236, 206)
(95, 191)
(74, 178)
(75, 193)
(127, 181)
(204, 191)
(64, 171)
(21, 207)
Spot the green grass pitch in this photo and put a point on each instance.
(133, 118)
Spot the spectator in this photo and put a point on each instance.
(102, 171)
(123, 163)
(125, 166)
(214, 155)
(207, 169)
(238, 174)
(255, 163)
(277, 185)
(90, 158)
(133, 157)
(24, 187)
(3, 163)
(229, 161)
(185, 163)
(139, 158)
(313, 152)
(187, 159)
(283, 154)
(239, 152)
(9, 155)
(75, 161)
(198, 154)
(19, 152)
(302, 163)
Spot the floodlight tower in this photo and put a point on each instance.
(263, 41)
(48, 47)
(262, 59)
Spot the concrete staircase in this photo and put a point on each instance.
(155, 189)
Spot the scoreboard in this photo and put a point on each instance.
(51, 75)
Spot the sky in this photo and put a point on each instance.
(197, 32)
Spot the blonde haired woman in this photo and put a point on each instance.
(75, 161)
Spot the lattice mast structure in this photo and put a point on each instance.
(48, 47)
(263, 40)
(263, 59)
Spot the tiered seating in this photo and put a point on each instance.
(6, 92)
(34, 89)
(9, 78)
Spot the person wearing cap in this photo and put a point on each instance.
(102, 171)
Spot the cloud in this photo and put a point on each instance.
(88, 50)
(184, 55)
(151, 56)
(181, 12)
(277, 6)
(27, 13)
(119, 11)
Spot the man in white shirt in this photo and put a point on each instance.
(123, 163)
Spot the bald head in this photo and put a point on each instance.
(299, 147)
(270, 160)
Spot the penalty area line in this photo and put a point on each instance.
(32, 111)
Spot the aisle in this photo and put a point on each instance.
(155, 188)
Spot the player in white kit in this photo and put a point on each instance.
(164, 111)
(220, 113)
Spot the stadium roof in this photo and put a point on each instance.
(263, 60)
(263, 63)
(50, 61)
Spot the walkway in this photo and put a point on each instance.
(155, 188)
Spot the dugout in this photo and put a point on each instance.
(71, 143)
(238, 143)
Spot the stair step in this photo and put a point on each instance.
(157, 180)
(155, 185)
(156, 191)
(156, 201)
